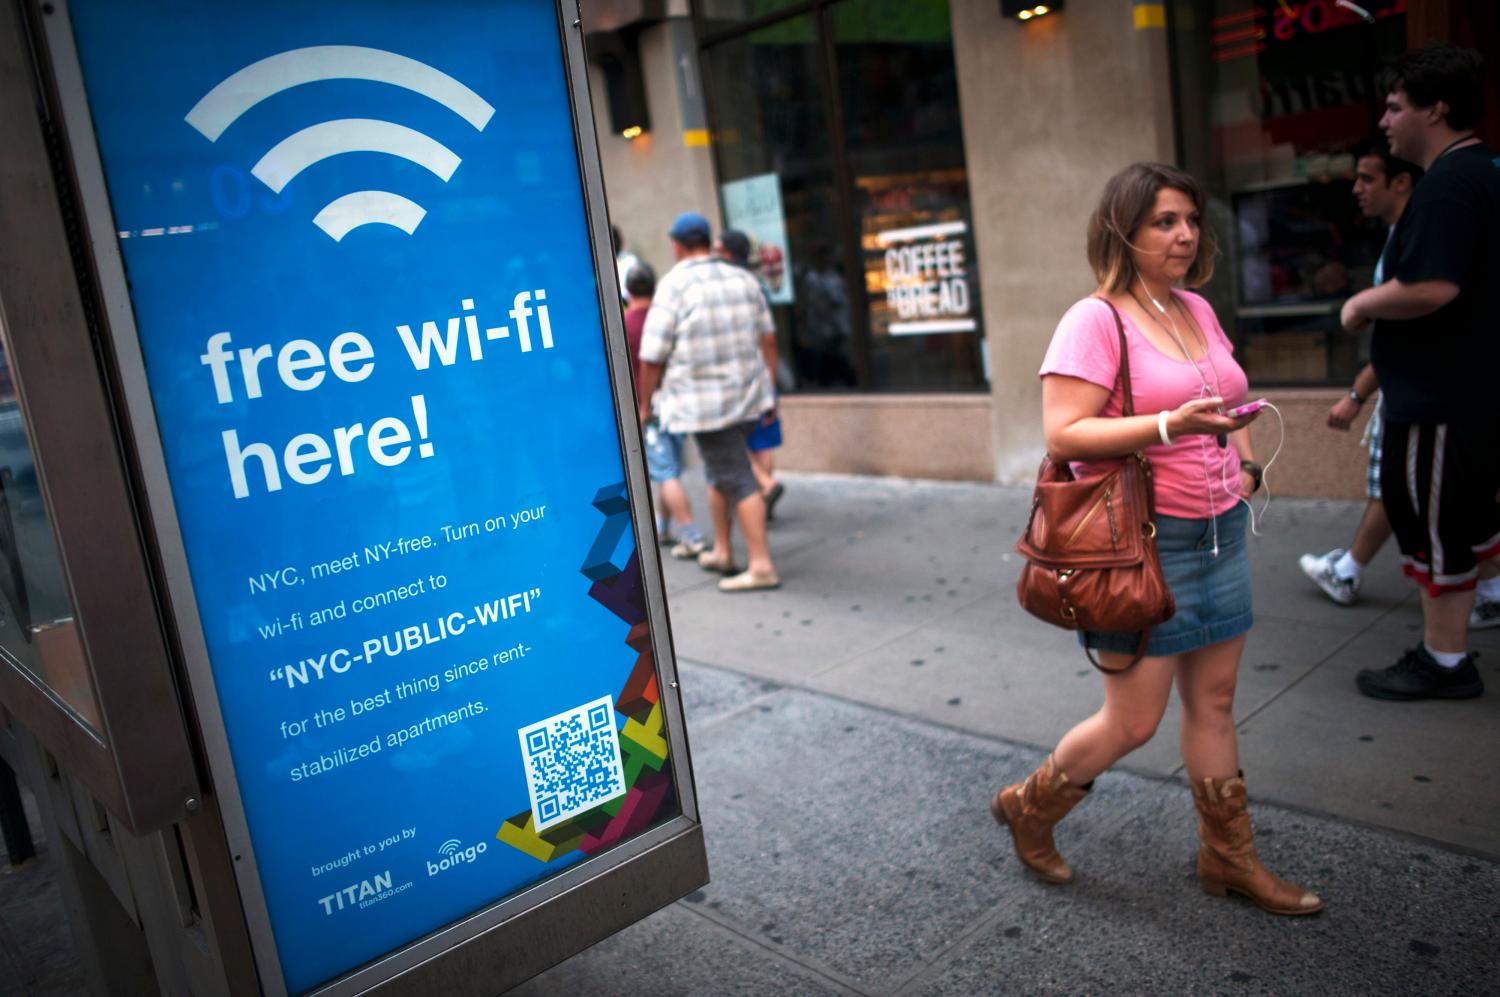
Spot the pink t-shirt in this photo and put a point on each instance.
(1192, 473)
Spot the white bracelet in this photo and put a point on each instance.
(1161, 428)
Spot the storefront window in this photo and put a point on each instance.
(839, 150)
(904, 142)
(773, 146)
(728, 13)
(1275, 101)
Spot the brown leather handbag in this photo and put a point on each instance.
(1090, 545)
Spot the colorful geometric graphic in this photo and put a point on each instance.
(614, 568)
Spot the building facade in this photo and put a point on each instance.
(916, 175)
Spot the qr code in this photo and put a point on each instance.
(572, 762)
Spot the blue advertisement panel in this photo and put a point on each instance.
(359, 264)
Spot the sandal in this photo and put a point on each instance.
(749, 581)
(772, 496)
(707, 562)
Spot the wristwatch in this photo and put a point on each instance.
(1255, 471)
(1358, 398)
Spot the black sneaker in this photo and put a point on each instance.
(1418, 676)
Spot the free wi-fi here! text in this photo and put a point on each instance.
(303, 365)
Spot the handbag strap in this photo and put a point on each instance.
(1140, 652)
(1128, 408)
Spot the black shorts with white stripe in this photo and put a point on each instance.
(1441, 487)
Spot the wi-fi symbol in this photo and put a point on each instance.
(450, 846)
(224, 104)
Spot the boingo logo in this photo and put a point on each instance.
(455, 853)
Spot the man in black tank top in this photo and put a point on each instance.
(1436, 352)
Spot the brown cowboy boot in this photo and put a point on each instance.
(1227, 859)
(1030, 809)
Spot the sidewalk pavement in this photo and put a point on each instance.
(36, 948)
(849, 728)
(848, 731)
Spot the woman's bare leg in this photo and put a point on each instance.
(1205, 684)
(1134, 702)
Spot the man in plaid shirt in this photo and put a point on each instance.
(708, 357)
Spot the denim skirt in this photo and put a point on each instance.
(1212, 593)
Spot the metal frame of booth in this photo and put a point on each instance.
(67, 313)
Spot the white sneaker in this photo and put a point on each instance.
(1486, 612)
(1344, 591)
(688, 550)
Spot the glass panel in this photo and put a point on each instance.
(37, 632)
(773, 136)
(1275, 102)
(904, 142)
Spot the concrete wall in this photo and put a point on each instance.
(1051, 109)
(909, 436)
(1315, 460)
(648, 180)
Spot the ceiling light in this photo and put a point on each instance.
(1025, 10)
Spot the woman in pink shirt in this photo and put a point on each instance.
(1144, 244)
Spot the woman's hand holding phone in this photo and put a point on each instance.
(1202, 417)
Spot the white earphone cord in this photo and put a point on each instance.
(1203, 443)
(1208, 391)
(1265, 481)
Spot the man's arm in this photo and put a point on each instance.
(765, 326)
(649, 377)
(1346, 409)
(1395, 300)
(768, 352)
(658, 338)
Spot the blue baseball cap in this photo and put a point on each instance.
(689, 224)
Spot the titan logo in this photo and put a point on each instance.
(351, 895)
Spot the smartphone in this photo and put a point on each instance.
(1247, 409)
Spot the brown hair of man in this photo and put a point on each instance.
(1441, 72)
(1124, 207)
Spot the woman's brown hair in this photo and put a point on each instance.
(1124, 207)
